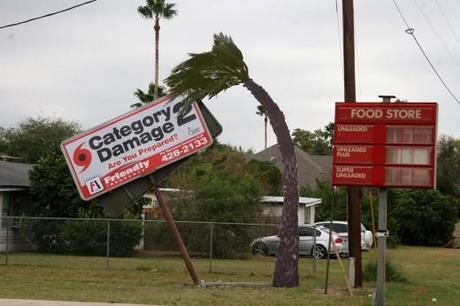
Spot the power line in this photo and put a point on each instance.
(339, 37)
(436, 33)
(47, 15)
(410, 31)
(448, 22)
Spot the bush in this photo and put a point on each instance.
(392, 273)
(220, 186)
(424, 217)
(87, 237)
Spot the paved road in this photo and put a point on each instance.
(11, 302)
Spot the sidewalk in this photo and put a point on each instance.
(14, 302)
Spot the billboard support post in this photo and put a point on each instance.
(382, 235)
(172, 225)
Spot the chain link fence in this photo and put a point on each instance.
(109, 238)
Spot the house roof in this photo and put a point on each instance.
(14, 175)
(309, 167)
(304, 201)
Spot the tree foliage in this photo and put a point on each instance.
(56, 195)
(205, 75)
(448, 168)
(35, 138)
(424, 217)
(217, 186)
(415, 216)
(318, 142)
(83, 237)
(55, 192)
(147, 97)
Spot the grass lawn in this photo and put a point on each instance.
(431, 273)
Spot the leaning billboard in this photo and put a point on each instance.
(134, 145)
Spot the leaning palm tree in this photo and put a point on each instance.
(157, 9)
(204, 75)
(147, 97)
(262, 112)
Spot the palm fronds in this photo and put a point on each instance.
(147, 97)
(158, 9)
(209, 73)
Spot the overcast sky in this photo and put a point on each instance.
(85, 64)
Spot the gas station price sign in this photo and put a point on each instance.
(385, 144)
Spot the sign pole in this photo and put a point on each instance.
(180, 243)
(382, 235)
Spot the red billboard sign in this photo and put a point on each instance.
(134, 145)
(385, 144)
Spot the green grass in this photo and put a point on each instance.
(431, 272)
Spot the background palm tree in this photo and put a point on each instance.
(262, 112)
(209, 73)
(145, 98)
(157, 9)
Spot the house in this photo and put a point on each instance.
(309, 167)
(15, 200)
(272, 207)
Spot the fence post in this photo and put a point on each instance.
(313, 268)
(211, 230)
(108, 244)
(7, 240)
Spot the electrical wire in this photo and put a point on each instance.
(448, 22)
(410, 31)
(47, 15)
(339, 37)
(436, 33)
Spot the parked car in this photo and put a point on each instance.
(341, 228)
(268, 245)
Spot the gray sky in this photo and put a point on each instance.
(84, 65)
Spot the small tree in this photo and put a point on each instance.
(209, 73)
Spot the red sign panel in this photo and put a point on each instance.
(386, 113)
(373, 176)
(134, 145)
(385, 144)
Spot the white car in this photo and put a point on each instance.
(341, 228)
(268, 245)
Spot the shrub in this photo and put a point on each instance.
(392, 273)
(87, 237)
(424, 217)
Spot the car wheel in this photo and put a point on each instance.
(319, 251)
(259, 248)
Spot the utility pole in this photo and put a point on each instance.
(354, 193)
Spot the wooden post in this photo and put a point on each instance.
(354, 193)
(172, 225)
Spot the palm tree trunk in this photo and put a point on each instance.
(157, 49)
(265, 121)
(286, 268)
